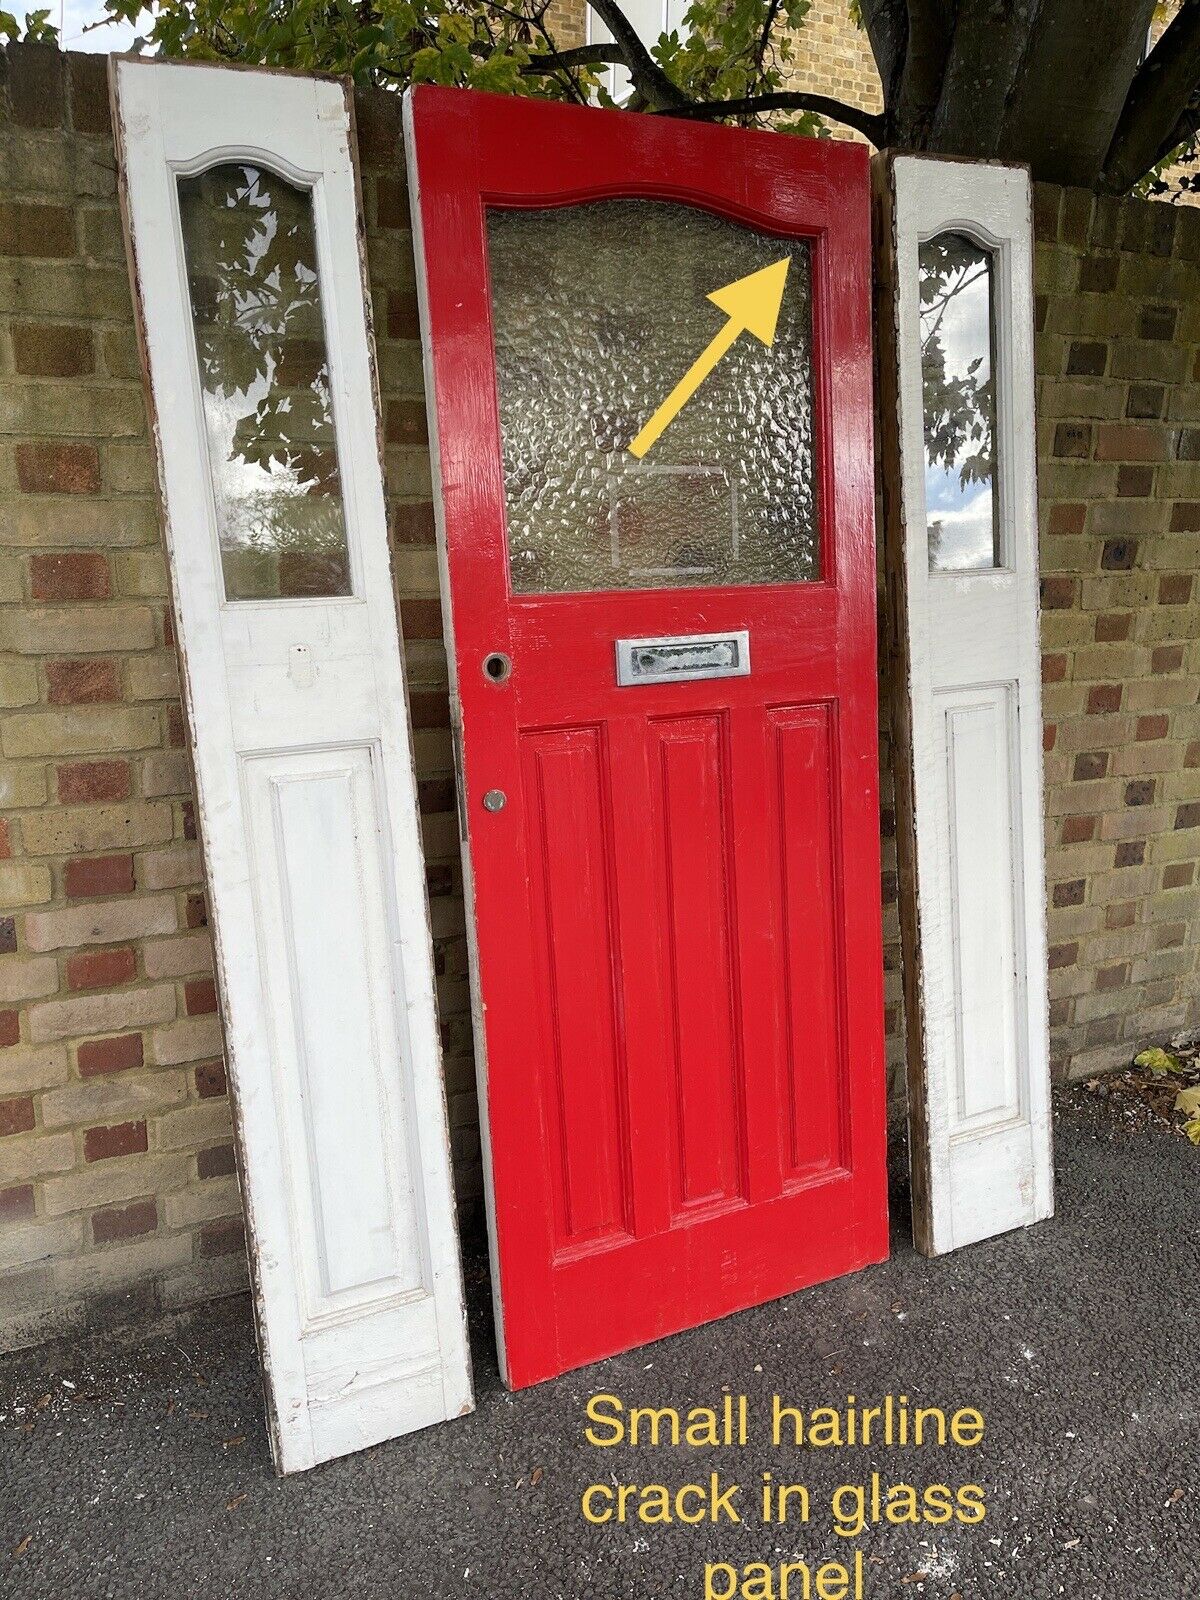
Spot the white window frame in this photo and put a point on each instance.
(967, 739)
(343, 1154)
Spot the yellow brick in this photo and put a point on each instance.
(74, 830)
(76, 630)
(80, 730)
(23, 883)
(18, 682)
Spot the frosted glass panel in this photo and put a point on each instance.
(598, 311)
(959, 396)
(256, 306)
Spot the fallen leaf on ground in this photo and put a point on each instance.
(1192, 1129)
(536, 1476)
(1173, 1498)
(232, 1444)
(915, 1577)
(1188, 1101)
(1071, 1544)
(232, 1505)
(22, 1545)
(1158, 1061)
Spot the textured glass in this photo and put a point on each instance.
(598, 311)
(959, 397)
(256, 307)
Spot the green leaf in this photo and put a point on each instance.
(1192, 1129)
(1158, 1061)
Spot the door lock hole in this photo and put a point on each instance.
(497, 666)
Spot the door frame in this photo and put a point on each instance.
(173, 118)
(972, 1177)
(483, 149)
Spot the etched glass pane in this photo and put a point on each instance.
(959, 397)
(599, 310)
(264, 371)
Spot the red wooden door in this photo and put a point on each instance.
(675, 878)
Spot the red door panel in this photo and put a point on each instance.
(674, 885)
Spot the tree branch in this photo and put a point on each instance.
(867, 123)
(930, 33)
(584, 55)
(1157, 100)
(649, 79)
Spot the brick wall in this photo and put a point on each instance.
(116, 1172)
(1119, 439)
(116, 1167)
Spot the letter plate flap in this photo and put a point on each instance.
(683, 657)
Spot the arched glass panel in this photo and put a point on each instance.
(251, 259)
(959, 396)
(599, 310)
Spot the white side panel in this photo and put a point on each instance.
(973, 897)
(308, 814)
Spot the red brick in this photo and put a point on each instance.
(1188, 816)
(1103, 698)
(1121, 915)
(1166, 658)
(199, 996)
(429, 708)
(1130, 853)
(224, 1238)
(1140, 792)
(1185, 517)
(1112, 627)
(10, 1027)
(402, 319)
(82, 682)
(1135, 482)
(1054, 668)
(1175, 589)
(1049, 735)
(115, 1054)
(195, 912)
(122, 1139)
(1067, 520)
(1125, 441)
(1058, 594)
(1152, 727)
(216, 1162)
(175, 737)
(58, 468)
(5, 842)
(413, 523)
(93, 780)
(16, 1116)
(421, 619)
(101, 969)
(16, 1203)
(1078, 830)
(52, 350)
(8, 935)
(1063, 955)
(1090, 764)
(1070, 894)
(210, 1080)
(33, 230)
(80, 576)
(405, 422)
(1178, 874)
(1191, 756)
(1109, 978)
(88, 877)
(124, 1222)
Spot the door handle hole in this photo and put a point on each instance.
(497, 667)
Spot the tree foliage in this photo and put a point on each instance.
(1060, 84)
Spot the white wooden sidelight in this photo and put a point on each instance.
(957, 371)
(242, 211)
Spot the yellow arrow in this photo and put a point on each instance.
(752, 305)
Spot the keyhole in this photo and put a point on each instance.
(497, 666)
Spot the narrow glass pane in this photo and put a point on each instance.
(959, 393)
(256, 306)
(599, 310)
